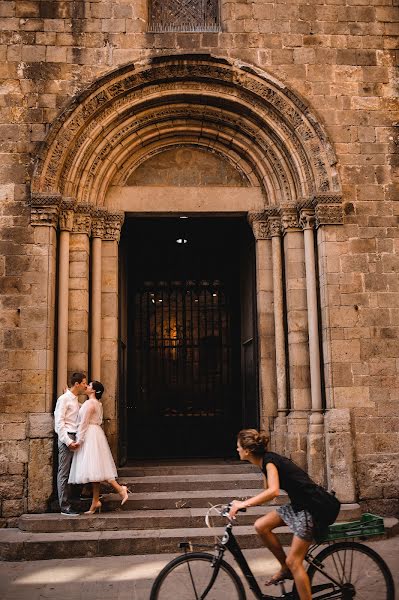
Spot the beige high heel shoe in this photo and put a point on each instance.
(92, 511)
(125, 495)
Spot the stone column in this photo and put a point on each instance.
(109, 335)
(78, 310)
(339, 440)
(315, 446)
(280, 425)
(297, 322)
(38, 363)
(97, 232)
(65, 225)
(265, 321)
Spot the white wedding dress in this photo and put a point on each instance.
(93, 460)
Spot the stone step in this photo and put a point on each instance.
(166, 483)
(20, 545)
(182, 499)
(183, 468)
(147, 519)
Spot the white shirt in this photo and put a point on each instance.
(66, 416)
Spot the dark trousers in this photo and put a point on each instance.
(64, 466)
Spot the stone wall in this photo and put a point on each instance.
(340, 57)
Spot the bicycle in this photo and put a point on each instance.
(343, 570)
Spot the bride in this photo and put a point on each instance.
(92, 461)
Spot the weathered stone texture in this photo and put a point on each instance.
(340, 58)
(40, 484)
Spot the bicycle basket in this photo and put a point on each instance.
(368, 525)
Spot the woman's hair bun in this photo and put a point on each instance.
(253, 440)
(98, 389)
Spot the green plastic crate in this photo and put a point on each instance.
(368, 525)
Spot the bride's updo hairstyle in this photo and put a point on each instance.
(98, 388)
(254, 441)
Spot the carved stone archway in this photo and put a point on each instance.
(262, 128)
(254, 119)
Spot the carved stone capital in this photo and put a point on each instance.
(98, 222)
(289, 219)
(44, 210)
(112, 226)
(307, 218)
(82, 219)
(259, 224)
(329, 214)
(328, 209)
(275, 226)
(67, 209)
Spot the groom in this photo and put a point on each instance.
(66, 425)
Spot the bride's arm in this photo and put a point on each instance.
(86, 412)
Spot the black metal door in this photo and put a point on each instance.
(184, 387)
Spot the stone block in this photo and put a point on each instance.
(342, 374)
(40, 477)
(339, 454)
(352, 396)
(12, 487)
(109, 328)
(34, 53)
(13, 508)
(13, 431)
(56, 54)
(16, 451)
(77, 342)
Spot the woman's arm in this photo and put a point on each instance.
(272, 491)
(88, 409)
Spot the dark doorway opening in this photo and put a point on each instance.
(185, 346)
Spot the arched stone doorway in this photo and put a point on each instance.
(269, 137)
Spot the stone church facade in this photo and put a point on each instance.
(276, 119)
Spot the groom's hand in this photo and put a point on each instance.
(74, 446)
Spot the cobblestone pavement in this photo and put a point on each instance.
(125, 577)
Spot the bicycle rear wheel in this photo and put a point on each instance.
(360, 571)
(190, 577)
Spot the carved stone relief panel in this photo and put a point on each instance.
(187, 166)
(183, 15)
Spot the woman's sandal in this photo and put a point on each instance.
(280, 576)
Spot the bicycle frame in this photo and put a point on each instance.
(230, 543)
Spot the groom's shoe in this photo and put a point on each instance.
(69, 512)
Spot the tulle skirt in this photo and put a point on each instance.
(93, 461)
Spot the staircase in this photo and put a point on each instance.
(167, 504)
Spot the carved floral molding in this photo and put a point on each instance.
(67, 215)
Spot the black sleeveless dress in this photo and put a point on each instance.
(299, 487)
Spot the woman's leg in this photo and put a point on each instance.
(264, 526)
(116, 486)
(95, 503)
(121, 489)
(294, 561)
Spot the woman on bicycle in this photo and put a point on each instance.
(280, 473)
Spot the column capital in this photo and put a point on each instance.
(113, 222)
(307, 218)
(275, 225)
(289, 219)
(44, 209)
(82, 219)
(98, 217)
(259, 224)
(67, 208)
(328, 209)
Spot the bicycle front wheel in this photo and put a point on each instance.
(192, 577)
(360, 572)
